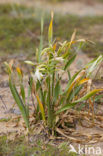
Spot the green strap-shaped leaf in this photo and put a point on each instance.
(57, 90)
(85, 97)
(19, 102)
(94, 64)
(70, 82)
(41, 41)
(69, 62)
(22, 92)
(88, 95)
(66, 107)
(74, 93)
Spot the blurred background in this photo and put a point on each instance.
(20, 24)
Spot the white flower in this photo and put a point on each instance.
(59, 59)
(38, 75)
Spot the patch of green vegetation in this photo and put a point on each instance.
(14, 34)
(16, 148)
(18, 33)
(5, 119)
(20, 29)
(10, 9)
(5, 9)
(19, 147)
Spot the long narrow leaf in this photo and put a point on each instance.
(66, 107)
(41, 107)
(88, 95)
(57, 90)
(70, 82)
(74, 93)
(70, 62)
(50, 31)
(19, 102)
(41, 41)
(93, 65)
(85, 97)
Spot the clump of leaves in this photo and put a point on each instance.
(45, 83)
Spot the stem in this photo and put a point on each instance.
(49, 105)
(42, 95)
(52, 106)
(53, 77)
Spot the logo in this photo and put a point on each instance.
(86, 149)
(72, 149)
